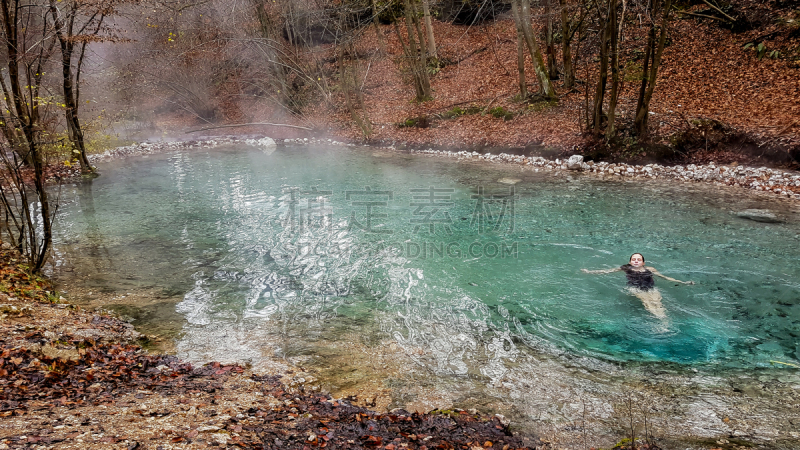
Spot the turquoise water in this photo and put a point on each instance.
(283, 249)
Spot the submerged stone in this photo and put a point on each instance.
(759, 215)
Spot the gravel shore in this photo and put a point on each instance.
(780, 182)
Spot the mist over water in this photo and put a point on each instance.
(470, 271)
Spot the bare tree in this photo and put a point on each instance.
(607, 33)
(569, 26)
(613, 41)
(414, 50)
(28, 46)
(347, 58)
(376, 22)
(523, 85)
(520, 10)
(426, 12)
(549, 41)
(76, 22)
(654, 48)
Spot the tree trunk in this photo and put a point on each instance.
(600, 91)
(415, 54)
(650, 71)
(376, 23)
(523, 84)
(421, 38)
(612, 102)
(520, 10)
(426, 12)
(37, 236)
(566, 46)
(550, 45)
(70, 94)
(349, 86)
(46, 239)
(19, 114)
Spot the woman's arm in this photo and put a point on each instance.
(657, 273)
(601, 271)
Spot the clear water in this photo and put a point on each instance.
(262, 253)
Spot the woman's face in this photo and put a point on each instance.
(637, 260)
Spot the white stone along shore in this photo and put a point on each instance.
(775, 181)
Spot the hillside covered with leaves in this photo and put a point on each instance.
(727, 77)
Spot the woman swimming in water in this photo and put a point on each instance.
(641, 283)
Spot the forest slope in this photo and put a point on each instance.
(719, 96)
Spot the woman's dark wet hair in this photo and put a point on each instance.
(629, 259)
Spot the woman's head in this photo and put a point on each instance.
(637, 260)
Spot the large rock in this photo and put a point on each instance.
(575, 162)
(268, 145)
(759, 215)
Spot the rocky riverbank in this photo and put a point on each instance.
(763, 179)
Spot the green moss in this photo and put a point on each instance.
(501, 113)
(414, 122)
(473, 110)
(632, 72)
(625, 443)
(434, 65)
(53, 298)
(446, 412)
(453, 113)
(542, 105)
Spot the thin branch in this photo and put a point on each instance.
(701, 15)
(249, 124)
(365, 77)
(785, 129)
(475, 100)
(719, 10)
